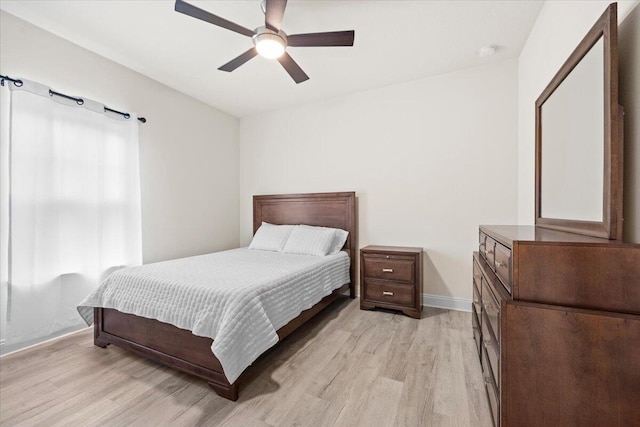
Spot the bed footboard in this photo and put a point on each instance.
(179, 348)
(163, 343)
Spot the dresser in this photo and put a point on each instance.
(556, 322)
(391, 277)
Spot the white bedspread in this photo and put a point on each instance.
(240, 298)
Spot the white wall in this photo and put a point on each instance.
(559, 28)
(188, 150)
(430, 160)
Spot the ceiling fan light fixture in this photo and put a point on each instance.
(269, 45)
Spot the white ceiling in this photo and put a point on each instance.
(395, 41)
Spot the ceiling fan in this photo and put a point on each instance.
(270, 41)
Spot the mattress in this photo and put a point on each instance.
(239, 298)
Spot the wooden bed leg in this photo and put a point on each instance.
(227, 391)
(100, 343)
(97, 328)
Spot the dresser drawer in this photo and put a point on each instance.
(482, 245)
(491, 308)
(477, 334)
(476, 274)
(490, 246)
(389, 293)
(503, 265)
(492, 391)
(389, 267)
(477, 300)
(493, 350)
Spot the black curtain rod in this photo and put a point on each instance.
(79, 101)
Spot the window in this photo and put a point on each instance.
(72, 213)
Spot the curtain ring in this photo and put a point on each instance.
(18, 83)
(80, 101)
(127, 115)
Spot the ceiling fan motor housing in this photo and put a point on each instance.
(263, 33)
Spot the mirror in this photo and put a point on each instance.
(573, 154)
(578, 140)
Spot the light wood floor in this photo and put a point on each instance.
(346, 367)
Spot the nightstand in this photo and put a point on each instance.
(391, 277)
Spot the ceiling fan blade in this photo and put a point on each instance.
(292, 68)
(236, 62)
(335, 38)
(203, 15)
(274, 11)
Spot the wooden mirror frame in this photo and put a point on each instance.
(611, 225)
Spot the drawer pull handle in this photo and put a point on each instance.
(387, 270)
(387, 293)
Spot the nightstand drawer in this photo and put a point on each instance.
(389, 293)
(396, 268)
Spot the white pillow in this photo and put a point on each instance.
(310, 241)
(339, 238)
(270, 237)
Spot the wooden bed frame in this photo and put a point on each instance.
(179, 348)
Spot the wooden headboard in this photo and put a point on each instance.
(337, 210)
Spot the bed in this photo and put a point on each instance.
(184, 351)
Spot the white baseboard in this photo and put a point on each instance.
(449, 303)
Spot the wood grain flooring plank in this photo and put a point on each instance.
(355, 397)
(418, 387)
(307, 364)
(451, 390)
(211, 410)
(397, 361)
(336, 376)
(382, 403)
(310, 412)
(346, 367)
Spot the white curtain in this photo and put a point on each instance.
(70, 211)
